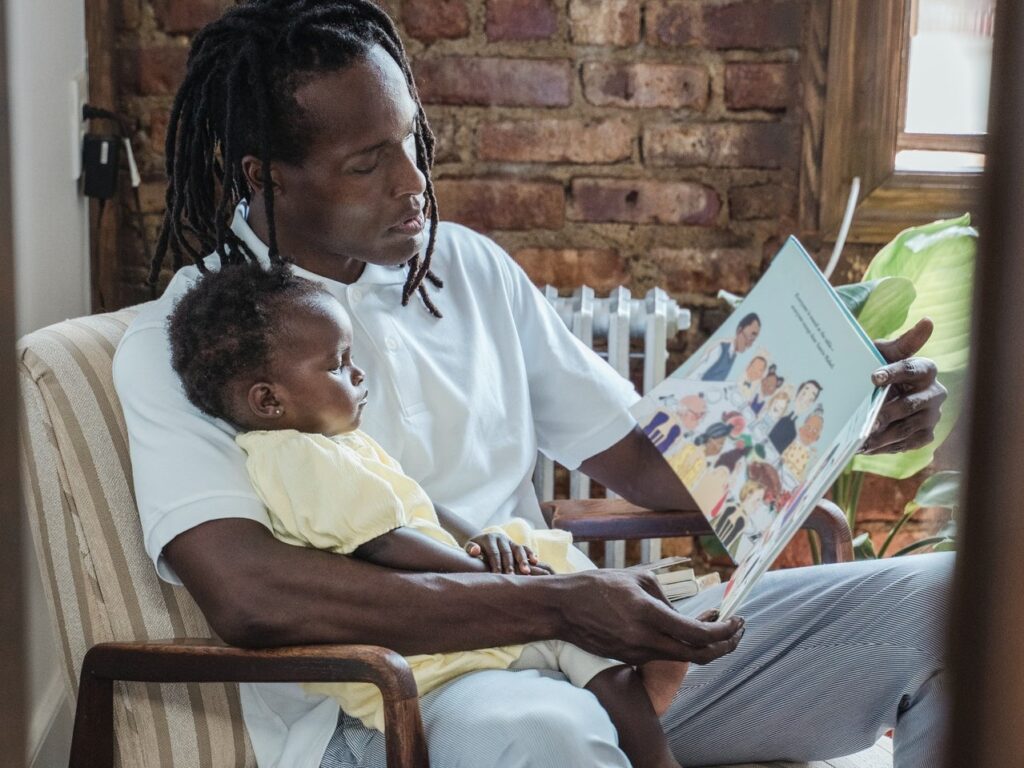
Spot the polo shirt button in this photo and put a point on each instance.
(355, 295)
(391, 343)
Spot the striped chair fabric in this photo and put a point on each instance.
(99, 582)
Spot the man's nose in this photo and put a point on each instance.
(407, 178)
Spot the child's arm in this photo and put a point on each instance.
(460, 528)
(406, 549)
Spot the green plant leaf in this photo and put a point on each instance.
(921, 544)
(939, 259)
(940, 490)
(946, 545)
(863, 549)
(855, 295)
(886, 308)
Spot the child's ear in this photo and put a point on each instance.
(264, 402)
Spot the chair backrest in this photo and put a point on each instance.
(99, 583)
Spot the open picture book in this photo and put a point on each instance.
(763, 418)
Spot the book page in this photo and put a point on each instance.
(770, 402)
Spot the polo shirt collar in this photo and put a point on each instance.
(373, 274)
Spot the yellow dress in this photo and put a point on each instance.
(339, 493)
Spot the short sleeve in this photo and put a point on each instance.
(580, 403)
(318, 493)
(186, 467)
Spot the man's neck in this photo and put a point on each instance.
(332, 267)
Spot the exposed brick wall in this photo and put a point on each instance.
(607, 142)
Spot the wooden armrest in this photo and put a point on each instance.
(197, 660)
(613, 519)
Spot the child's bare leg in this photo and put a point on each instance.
(662, 680)
(622, 693)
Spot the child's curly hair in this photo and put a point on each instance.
(221, 329)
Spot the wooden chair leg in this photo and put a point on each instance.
(92, 744)
(403, 734)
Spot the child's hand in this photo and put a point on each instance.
(502, 555)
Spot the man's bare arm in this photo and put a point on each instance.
(636, 470)
(257, 592)
(407, 549)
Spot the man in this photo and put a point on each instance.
(784, 431)
(717, 363)
(304, 112)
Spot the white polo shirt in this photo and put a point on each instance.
(463, 402)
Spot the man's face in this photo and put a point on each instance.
(358, 195)
(805, 398)
(747, 335)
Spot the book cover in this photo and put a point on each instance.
(760, 421)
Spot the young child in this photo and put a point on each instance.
(280, 369)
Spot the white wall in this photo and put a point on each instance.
(46, 49)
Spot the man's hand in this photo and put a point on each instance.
(908, 418)
(624, 615)
(502, 555)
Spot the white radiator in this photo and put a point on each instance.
(614, 323)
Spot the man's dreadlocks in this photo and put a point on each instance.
(238, 99)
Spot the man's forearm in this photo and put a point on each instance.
(636, 470)
(257, 592)
(407, 549)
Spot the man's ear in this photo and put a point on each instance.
(263, 401)
(255, 176)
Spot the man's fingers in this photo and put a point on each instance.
(913, 374)
(904, 407)
(907, 344)
(915, 440)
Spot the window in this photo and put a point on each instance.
(904, 107)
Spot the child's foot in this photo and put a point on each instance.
(662, 680)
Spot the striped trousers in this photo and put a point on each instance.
(833, 656)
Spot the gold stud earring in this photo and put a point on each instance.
(277, 412)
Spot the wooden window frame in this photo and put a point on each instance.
(862, 130)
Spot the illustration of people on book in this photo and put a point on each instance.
(798, 455)
(741, 525)
(784, 431)
(749, 383)
(712, 490)
(718, 361)
(666, 427)
(770, 383)
(695, 458)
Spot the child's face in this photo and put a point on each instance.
(317, 385)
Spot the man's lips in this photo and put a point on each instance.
(409, 226)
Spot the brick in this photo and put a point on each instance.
(153, 196)
(430, 20)
(605, 22)
(707, 270)
(490, 204)
(761, 201)
(754, 24)
(641, 201)
(725, 145)
(494, 82)
(158, 122)
(557, 141)
(521, 20)
(601, 269)
(751, 24)
(672, 25)
(184, 16)
(624, 84)
(760, 86)
(447, 148)
(154, 71)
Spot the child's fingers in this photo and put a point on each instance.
(523, 559)
(473, 549)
